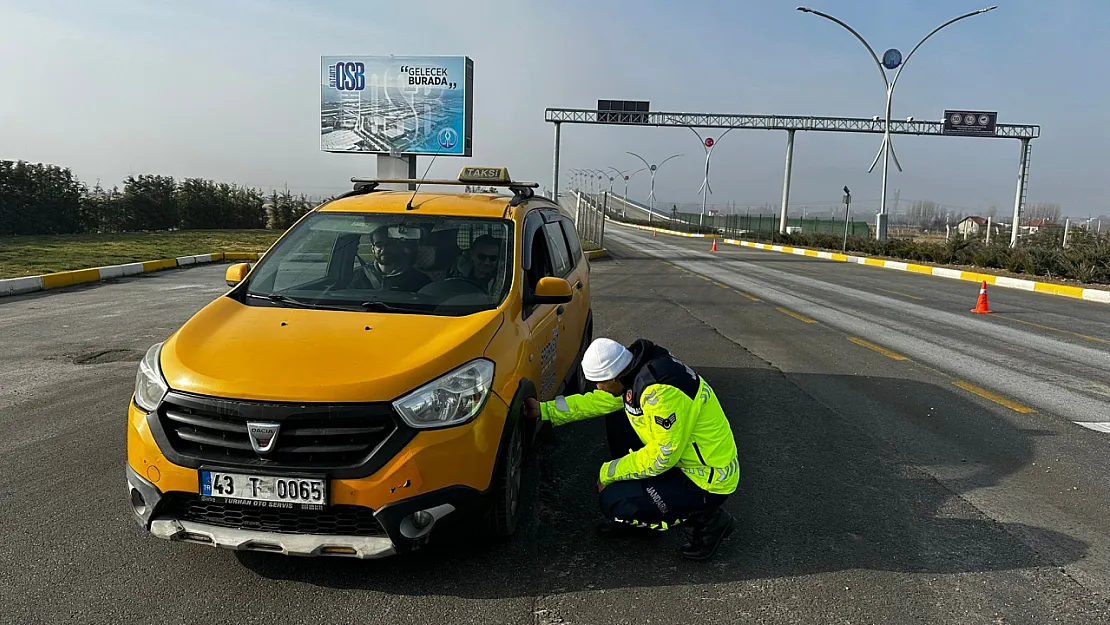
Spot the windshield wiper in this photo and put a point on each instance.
(292, 302)
(380, 306)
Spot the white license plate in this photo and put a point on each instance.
(264, 490)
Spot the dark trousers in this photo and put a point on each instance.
(661, 501)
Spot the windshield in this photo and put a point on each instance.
(385, 262)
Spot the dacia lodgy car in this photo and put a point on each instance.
(366, 378)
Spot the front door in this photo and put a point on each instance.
(542, 319)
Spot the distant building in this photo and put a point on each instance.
(972, 226)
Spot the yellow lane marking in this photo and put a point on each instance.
(1043, 327)
(799, 317)
(900, 293)
(748, 295)
(705, 278)
(877, 348)
(723, 286)
(998, 399)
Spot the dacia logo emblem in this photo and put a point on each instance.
(263, 435)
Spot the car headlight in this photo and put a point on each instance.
(150, 387)
(452, 399)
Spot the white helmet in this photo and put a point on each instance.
(605, 359)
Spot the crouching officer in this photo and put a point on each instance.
(674, 455)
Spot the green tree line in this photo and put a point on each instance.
(46, 199)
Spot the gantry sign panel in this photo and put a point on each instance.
(773, 122)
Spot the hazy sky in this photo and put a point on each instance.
(228, 90)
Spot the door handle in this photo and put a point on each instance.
(578, 285)
(559, 310)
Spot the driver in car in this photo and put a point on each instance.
(393, 268)
(479, 264)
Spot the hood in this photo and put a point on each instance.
(232, 350)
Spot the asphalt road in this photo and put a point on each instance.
(873, 490)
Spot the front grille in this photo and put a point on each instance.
(312, 436)
(331, 521)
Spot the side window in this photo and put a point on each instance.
(557, 246)
(572, 240)
(541, 260)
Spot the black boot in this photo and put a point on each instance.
(708, 531)
(613, 529)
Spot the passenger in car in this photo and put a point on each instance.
(479, 263)
(393, 268)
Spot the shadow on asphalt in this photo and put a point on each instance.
(819, 493)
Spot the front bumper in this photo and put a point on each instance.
(402, 534)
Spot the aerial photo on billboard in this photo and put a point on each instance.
(399, 105)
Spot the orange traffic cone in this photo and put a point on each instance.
(981, 306)
(654, 233)
(714, 246)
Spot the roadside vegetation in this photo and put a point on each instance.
(35, 255)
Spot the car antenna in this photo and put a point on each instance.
(409, 206)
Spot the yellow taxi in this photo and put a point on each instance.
(366, 378)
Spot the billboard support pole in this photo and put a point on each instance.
(397, 167)
(555, 168)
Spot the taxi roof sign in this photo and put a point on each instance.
(485, 174)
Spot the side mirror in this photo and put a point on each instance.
(236, 273)
(551, 291)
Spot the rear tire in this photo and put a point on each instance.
(504, 512)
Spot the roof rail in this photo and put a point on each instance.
(482, 176)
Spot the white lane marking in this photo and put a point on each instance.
(1098, 426)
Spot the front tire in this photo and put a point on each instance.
(504, 513)
(579, 383)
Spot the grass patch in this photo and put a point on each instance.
(590, 246)
(35, 255)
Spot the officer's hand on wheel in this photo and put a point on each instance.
(532, 409)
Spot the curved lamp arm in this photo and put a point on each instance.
(874, 56)
(665, 160)
(935, 30)
(646, 164)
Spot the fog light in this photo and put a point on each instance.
(137, 502)
(422, 519)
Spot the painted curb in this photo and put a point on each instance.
(1063, 290)
(31, 284)
(596, 254)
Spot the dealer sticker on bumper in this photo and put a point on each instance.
(264, 490)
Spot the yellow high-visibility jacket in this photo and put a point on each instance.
(675, 413)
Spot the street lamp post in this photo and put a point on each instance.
(627, 177)
(707, 144)
(653, 169)
(892, 59)
(847, 205)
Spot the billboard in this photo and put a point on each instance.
(400, 105)
(970, 123)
